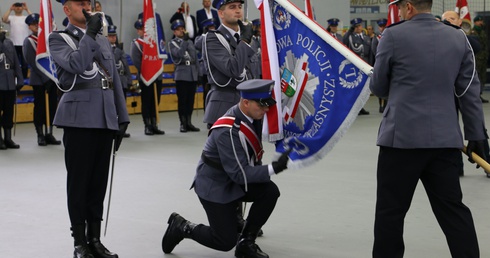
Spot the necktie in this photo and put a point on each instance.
(237, 37)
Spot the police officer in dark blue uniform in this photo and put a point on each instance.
(332, 28)
(41, 85)
(230, 171)
(92, 113)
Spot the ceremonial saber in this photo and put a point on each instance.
(322, 33)
(110, 186)
(245, 14)
(15, 111)
(481, 162)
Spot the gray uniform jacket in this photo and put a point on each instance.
(421, 74)
(227, 71)
(198, 47)
(86, 107)
(360, 45)
(29, 51)
(184, 56)
(220, 186)
(122, 67)
(10, 72)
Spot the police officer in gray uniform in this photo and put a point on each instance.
(11, 80)
(231, 171)
(148, 111)
(184, 56)
(332, 27)
(226, 54)
(41, 84)
(92, 113)
(207, 25)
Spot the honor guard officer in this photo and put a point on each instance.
(148, 111)
(207, 25)
(92, 113)
(12, 80)
(332, 28)
(256, 62)
(41, 85)
(120, 58)
(374, 48)
(184, 56)
(227, 55)
(360, 44)
(230, 171)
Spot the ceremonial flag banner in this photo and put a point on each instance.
(309, 10)
(392, 14)
(151, 64)
(464, 13)
(320, 84)
(43, 59)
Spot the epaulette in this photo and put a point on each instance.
(450, 24)
(396, 23)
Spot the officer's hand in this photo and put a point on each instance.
(282, 163)
(186, 36)
(94, 23)
(18, 87)
(246, 31)
(476, 147)
(120, 135)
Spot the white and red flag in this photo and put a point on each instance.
(46, 23)
(392, 14)
(463, 10)
(151, 63)
(309, 10)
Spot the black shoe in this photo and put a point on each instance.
(51, 140)
(82, 251)
(363, 112)
(98, 250)
(41, 140)
(483, 100)
(249, 249)
(174, 233)
(183, 128)
(126, 135)
(192, 128)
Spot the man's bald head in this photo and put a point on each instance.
(452, 17)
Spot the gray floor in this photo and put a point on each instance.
(325, 210)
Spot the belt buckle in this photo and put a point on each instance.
(7, 66)
(187, 62)
(105, 84)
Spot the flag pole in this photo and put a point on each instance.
(318, 30)
(480, 161)
(46, 101)
(157, 116)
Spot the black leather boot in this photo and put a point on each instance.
(241, 221)
(155, 127)
(183, 124)
(8, 139)
(190, 126)
(41, 139)
(2, 143)
(97, 249)
(246, 247)
(148, 126)
(50, 138)
(178, 229)
(81, 248)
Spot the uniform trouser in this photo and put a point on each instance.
(205, 87)
(481, 68)
(87, 159)
(148, 109)
(7, 102)
(40, 103)
(399, 171)
(221, 233)
(185, 97)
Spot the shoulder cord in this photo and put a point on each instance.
(185, 55)
(474, 67)
(359, 49)
(237, 126)
(205, 51)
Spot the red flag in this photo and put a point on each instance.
(463, 10)
(392, 14)
(151, 64)
(309, 10)
(43, 58)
